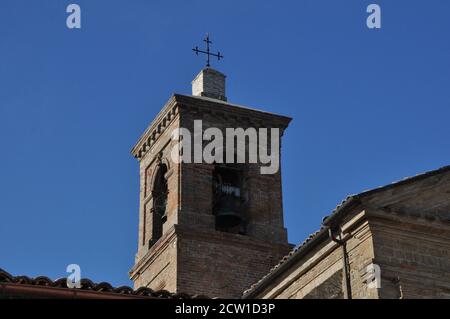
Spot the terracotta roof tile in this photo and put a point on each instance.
(88, 285)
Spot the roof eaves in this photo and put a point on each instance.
(293, 256)
(340, 210)
(348, 203)
(88, 285)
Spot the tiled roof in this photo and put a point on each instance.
(238, 106)
(99, 289)
(348, 201)
(286, 258)
(353, 198)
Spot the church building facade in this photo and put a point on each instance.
(216, 229)
(195, 238)
(392, 242)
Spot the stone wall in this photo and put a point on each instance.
(318, 271)
(414, 258)
(402, 228)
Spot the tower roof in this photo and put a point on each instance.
(180, 101)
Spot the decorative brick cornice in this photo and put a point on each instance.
(153, 253)
(164, 118)
(228, 111)
(195, 104)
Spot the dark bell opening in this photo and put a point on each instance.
(159, 203)
(228, 214)
(228, 220)
(227, 199)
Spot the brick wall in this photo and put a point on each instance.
(313, 271)
(414, 258)
(402, 228)
(228, 263)
(192, 256)
(158, 268)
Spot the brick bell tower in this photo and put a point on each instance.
(206, 229)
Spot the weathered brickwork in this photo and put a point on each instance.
(158, 268)
(404, 228)
(209, 83)
(227, 262)
(415, 263)
(305, 277)
(411, 231)
(159, 152)
(192, 256)
(264, 209)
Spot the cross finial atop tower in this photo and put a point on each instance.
(208, 52)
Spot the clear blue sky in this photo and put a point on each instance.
(369, 107)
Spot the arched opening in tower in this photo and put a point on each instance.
(227, 208)
(159, 193)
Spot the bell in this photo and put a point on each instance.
(228, 212)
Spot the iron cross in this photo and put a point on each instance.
(208, 52)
